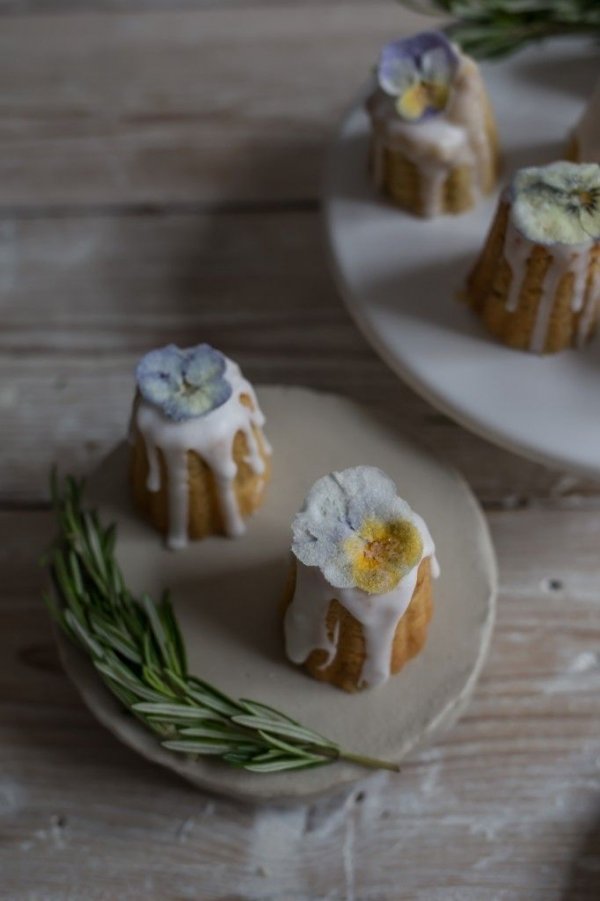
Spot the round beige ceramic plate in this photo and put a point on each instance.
(227, 595)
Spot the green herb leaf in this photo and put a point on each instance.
(494, 28)
(137, 648)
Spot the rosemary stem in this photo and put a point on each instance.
(372, 763)
(137, 647)
(369, 762)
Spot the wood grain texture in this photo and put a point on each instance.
(209, 106)
(21, 7)
(159, 177)
(71, 411)
(86, 296)
(506, 805)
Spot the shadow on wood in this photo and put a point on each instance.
(583, 879)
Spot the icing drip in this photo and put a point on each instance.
(437, 145)
(211, 437)
(587, 131)
(566, 259)
(469, 107)
(306, 617)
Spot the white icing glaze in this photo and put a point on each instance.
(587, 130)
(305, 621)
(566, 259)
(456, 137)
(211, 437)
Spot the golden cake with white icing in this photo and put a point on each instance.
(536, 284)
(200, 461)
(434, 144)
(359, 599)
(584, 141)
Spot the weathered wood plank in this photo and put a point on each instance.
(43, 7)
(104, 283)
(118, 106)
(71, 411)
(86, 296)
(506, 805)
(209, 105)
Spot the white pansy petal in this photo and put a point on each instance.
(355, 529)
(437, 65)
(419, 523)
(335, 509)
(338, 571)
(325, 498)
(369, 491)
(390, 508)
(320, 527)
(397, 76)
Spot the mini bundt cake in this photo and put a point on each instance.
(434, 144)
(536, 283)
(199, 459)
(359, 599)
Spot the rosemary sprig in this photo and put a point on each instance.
(495, 28)
(137, 648)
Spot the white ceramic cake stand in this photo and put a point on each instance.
(228, 595)
(400, 275)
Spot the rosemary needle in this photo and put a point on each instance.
(494, 28)
(138, 650)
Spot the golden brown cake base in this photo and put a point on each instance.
(204, 512)
(403, 183)
(408, 185)
(489, 284)
(345, 669)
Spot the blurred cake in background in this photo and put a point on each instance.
(359, 600)
(434, 144)
(199, 459)
(536, 283)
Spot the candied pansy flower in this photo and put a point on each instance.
(418, 72)
(184, 383)
(356, 529)
(559, 202)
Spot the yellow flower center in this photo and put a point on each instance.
(421, 96)
(381, 553)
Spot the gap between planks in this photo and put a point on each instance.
(19, 8)
(210, 105)
(500, 804)
(181, 208)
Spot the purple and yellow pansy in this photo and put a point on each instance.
(418, 73)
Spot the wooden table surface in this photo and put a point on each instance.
(159, 181)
